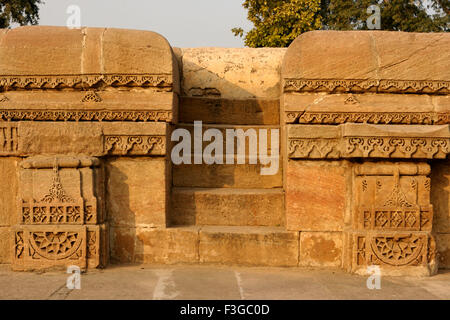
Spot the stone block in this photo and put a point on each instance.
(69, 138)
(243, 176)
(440, 195)
(232, 73)
(137, 191)
(5, 245)
(8, 191)
(443, 249)
(167, 246)
(321, 249)
(261, 246)
(373, 61)
(316, 195)
(227, 207)
(230, 111)
(149, 245)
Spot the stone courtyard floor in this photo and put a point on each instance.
(217, 283)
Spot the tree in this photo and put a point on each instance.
(22, 12)
(278, 22)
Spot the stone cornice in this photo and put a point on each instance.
(10, 82)
(363, 85)
(86, 115)
(326, 117)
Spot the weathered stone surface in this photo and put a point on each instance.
(443, 249)
(148, 245)
(232, 73)
(168, 246)
(60, 138)
(245, 176)
(228, 207)
(316, 195)
(321, 249)
(5, 245)
(96, 139)
(8, 191)
(86, 51)
(440, 196)
(230, 111)
(249, 246)
(335, 61)
(137, 192)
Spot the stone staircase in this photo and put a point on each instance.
(232, 203)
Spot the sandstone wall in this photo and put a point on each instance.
(85, 126)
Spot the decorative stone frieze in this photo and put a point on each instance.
(368, 141)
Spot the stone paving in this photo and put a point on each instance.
(216, 282)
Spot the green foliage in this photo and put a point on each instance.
(396, 15)
(278, 22)
(19, 11)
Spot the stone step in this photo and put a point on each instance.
(227, 206)
(245, 128)
(252, 246)
(246, 176)
(225, 111)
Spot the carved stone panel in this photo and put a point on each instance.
(392, 216)
(60, 209)
(63, 194)
(41, 247)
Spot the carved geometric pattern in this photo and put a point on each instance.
(308, 117)
(56, 191)
(394, 218)
(392, 249)
(91, 96)
(88, 80)
(8, 138)
(3, 98)
(122, 145)
(55, 245)
(314, 148)
(84, 115)
(378, 147)
(37, 247)
(357, 85)
(351, 100)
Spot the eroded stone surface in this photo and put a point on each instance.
(323, 249)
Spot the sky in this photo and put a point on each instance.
(184, 23)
